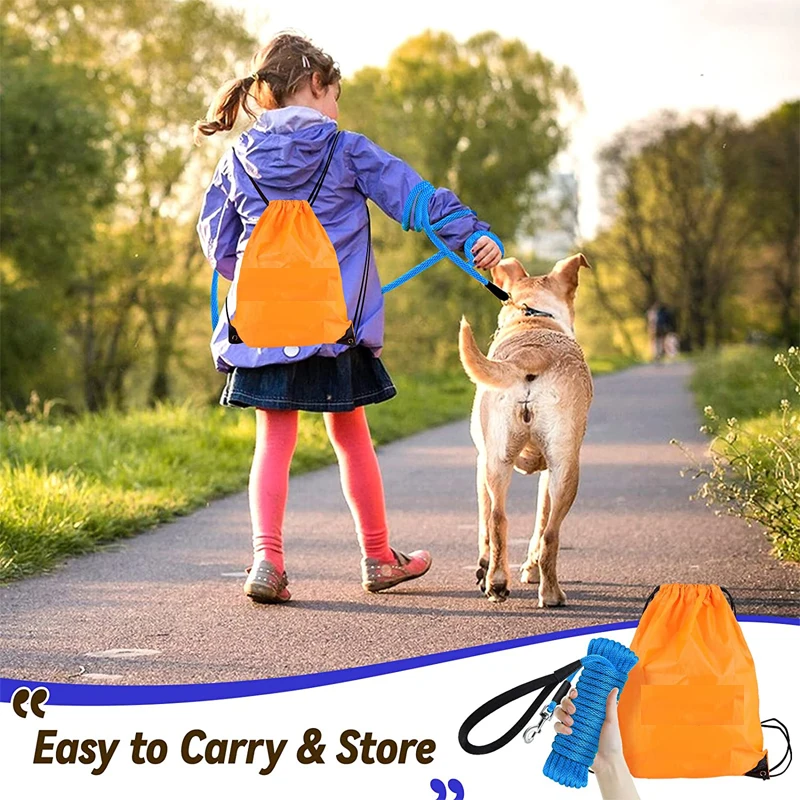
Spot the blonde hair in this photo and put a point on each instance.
(284, 66)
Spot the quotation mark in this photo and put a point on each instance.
(441, 790)
(23, 698)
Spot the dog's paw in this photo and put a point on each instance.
(552, 599)
(529, 573)
(480, 574)
(497, 592)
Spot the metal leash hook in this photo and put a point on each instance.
(533, 730)
(546, 714)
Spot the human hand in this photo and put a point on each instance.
(613, 776)
(486, 253)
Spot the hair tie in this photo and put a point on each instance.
(256, 77)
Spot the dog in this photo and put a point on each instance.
(530, 412)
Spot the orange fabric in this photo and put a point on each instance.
(690, 706)
(289, 287)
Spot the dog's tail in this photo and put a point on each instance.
(485, 371)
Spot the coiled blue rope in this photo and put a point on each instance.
(416, 216)
(606, 666)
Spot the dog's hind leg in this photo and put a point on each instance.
(484, 515)
(562, 488)
(530, 569)
(498, 479)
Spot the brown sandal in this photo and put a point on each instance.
(265, 585)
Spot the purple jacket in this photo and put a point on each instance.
(284, 151)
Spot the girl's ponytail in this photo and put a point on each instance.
(224, 109)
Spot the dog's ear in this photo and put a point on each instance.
(508, 271)
(567, 270)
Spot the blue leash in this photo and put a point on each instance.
(214, 300)
(605, 666)
(417, 208)
(416, 216)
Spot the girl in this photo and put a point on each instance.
(285, 152)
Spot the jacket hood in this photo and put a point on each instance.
(286, 146)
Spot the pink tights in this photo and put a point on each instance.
(276, 437)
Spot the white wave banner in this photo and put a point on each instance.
(373, 733)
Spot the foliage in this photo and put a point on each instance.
(152, 65)
(754, 471)
(703, 216)
(481, 118)
(58, 174)
(673, 188)
(739, 381)
(773, 178)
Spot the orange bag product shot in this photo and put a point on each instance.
(690, 706)
(289, 284)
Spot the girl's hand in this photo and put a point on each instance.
(485, 253)
(609, 765)
(610, 746)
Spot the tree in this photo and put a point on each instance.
(674, 188)
(773, 182)
(481, 118)
(159, 62)
(58, 175)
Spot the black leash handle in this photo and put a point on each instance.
(499, 293)
(547, 684)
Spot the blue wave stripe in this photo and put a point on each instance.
(70, 694)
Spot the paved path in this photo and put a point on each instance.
(176, 591)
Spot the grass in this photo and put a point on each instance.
(71, 485)
(749, 398)
(741, 381)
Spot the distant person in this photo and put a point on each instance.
(660, 323)
(285, 153)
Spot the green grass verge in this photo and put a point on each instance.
(752, 409)
(740, 381)
(69, 486)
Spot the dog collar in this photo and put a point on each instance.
(531, 312)
(535, 312)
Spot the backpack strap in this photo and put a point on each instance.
(253, 181)
(317, 186)
(315, 191)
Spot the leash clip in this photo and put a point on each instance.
(533, 730)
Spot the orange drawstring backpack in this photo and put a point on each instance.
(690, 706)
(289, 283)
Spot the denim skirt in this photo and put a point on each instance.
(353, 378)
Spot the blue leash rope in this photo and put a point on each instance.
(214, 300)
(416, 216)
(606, 665)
